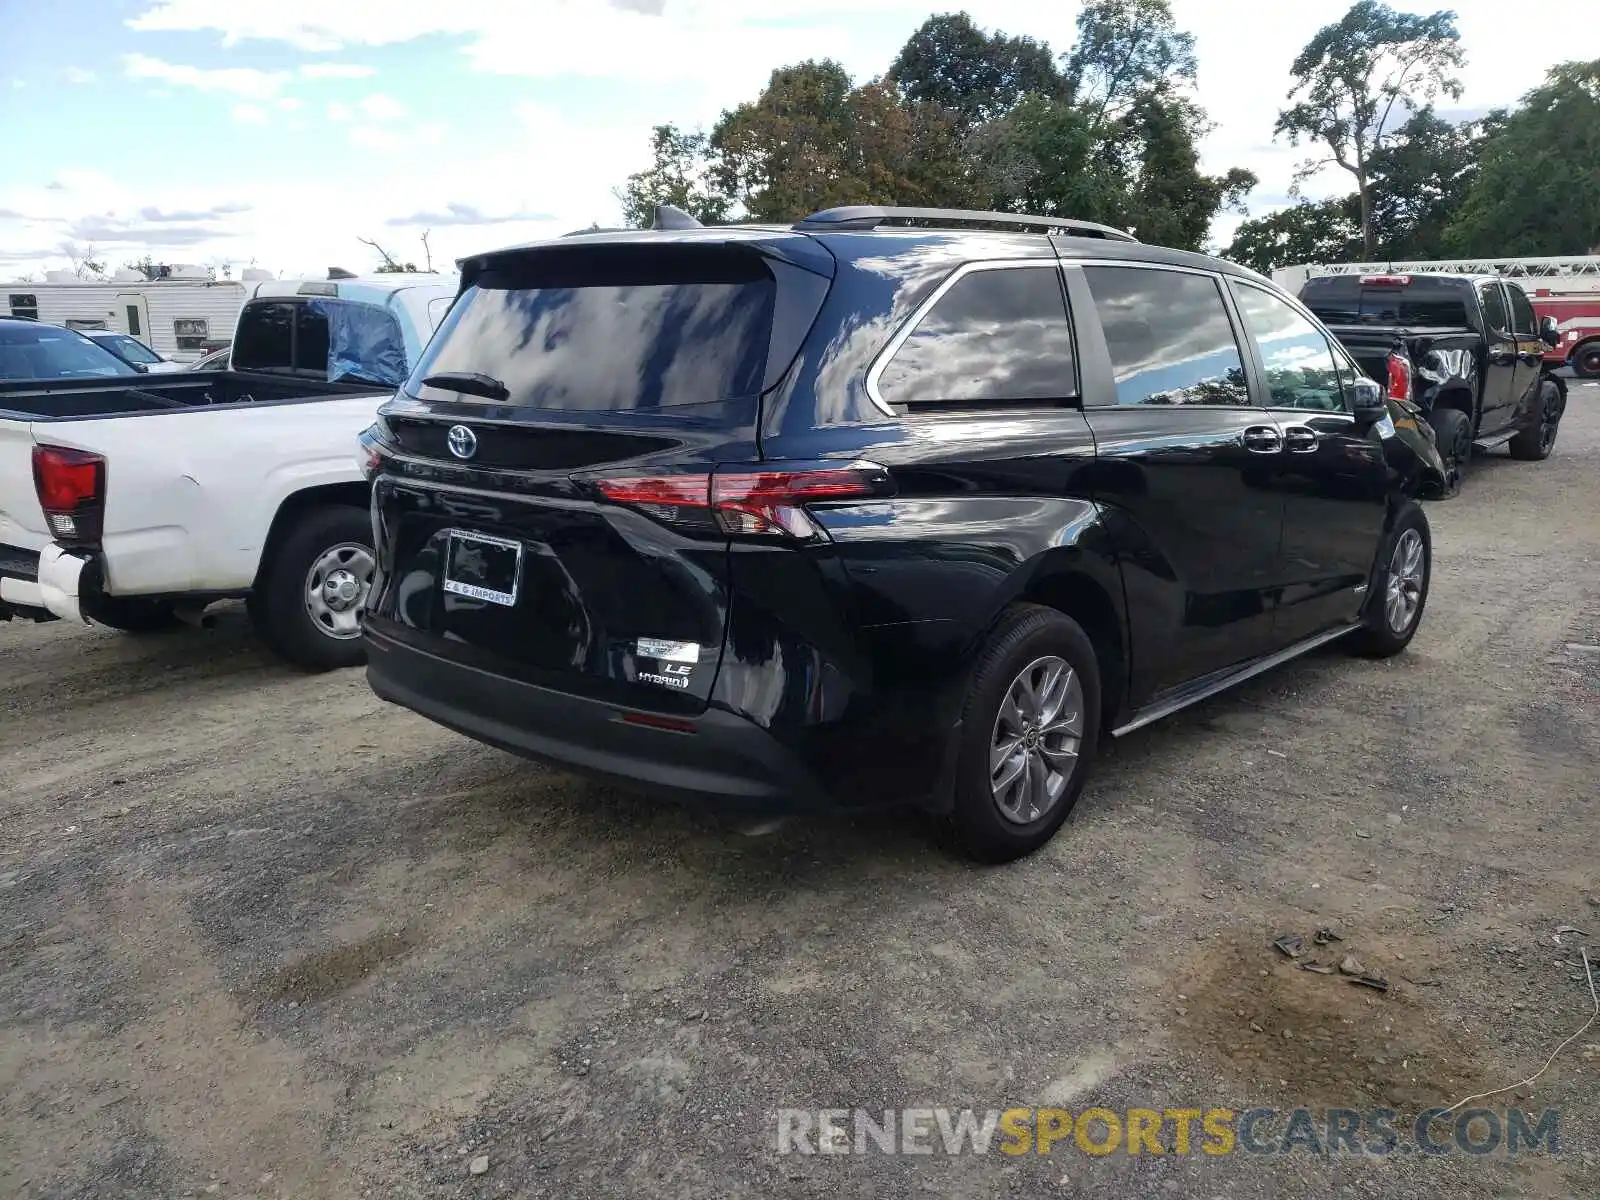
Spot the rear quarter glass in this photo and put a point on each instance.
(628, 330)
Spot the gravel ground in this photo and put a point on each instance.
(261, 935)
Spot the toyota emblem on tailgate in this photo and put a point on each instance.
(462, 441)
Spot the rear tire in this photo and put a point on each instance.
(1029, 730)
(1535, 443)
(1400, 587)
(131, 614)
(304, 608)
(1452, 430)
(1585, 360)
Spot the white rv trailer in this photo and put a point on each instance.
(178, 317)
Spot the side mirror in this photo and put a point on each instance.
(1368, 402)
(140, 367)
(1549, 332)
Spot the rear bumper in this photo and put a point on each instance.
(725, 758)
(66, 580)
(19, 584)
(51, 582)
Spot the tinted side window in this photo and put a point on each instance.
(1300, 367)
(998, 335)
(1523, 322)
(1169, 337)
(1494, 308)
(265, 340)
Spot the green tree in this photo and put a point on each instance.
(1329, 231)
(975, 75)
(1120, 144)
(1170, 202)
(679, 175)
(813, 140)
(966, 118)
(1351, 76)
(1537, 190)
(1043, 158)
(1127, 51)
(1420, 179)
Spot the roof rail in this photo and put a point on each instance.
(872, 216)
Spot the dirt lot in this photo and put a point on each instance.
(261, 935)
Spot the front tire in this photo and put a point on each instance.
(1535, 443)
(308, 606)
(1400, 588)
(1452, 430)
(1029, 730)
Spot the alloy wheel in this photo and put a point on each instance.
(1034, 748)
(1406, 569)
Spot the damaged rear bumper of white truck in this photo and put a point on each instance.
(50, 583)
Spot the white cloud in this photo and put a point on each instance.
(79, 75)
(339, 111)
(337, 71)
(406, 137)
(239, 81)
(249, 114)
(379, 107)
(288, 103)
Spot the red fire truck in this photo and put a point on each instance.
(1567, 289)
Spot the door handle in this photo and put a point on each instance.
(1300, 439)
(1262, 439)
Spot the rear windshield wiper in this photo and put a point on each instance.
(473, 383)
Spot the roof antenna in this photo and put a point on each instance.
(668, 217)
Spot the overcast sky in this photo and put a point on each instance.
(280, 131)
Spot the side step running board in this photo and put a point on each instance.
(1170, 704)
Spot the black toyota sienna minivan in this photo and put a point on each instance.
(888, 507)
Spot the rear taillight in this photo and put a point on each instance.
(71, 485)
(370, 445)
(747, 501)
(1399, 376)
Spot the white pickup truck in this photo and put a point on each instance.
(137, 502)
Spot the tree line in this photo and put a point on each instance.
(1109, 131)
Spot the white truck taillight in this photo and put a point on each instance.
(71, 485)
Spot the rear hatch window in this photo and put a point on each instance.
(611, 330)
(1344, 300)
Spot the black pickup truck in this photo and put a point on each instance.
(1467, 350)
